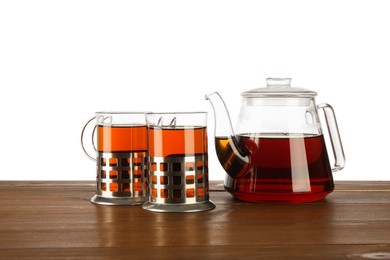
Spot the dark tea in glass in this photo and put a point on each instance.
(123, 139)
(178, 162)
(178, 142)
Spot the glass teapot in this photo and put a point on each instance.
(277, 153)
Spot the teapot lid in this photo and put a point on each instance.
(278, 87)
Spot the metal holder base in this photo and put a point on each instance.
(197, 207)
(178, 183)
(122, 178)
(118, 201)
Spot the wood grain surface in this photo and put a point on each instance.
(55, 220)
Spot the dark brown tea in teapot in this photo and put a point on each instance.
(284, 169)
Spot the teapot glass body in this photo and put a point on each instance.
(277, 152)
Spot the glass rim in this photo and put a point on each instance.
(176, 113)
(122, 112)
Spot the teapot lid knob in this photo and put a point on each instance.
(278, 82)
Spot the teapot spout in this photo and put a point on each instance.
(234, 158)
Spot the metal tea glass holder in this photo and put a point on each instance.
(179, 181)
(121, 176)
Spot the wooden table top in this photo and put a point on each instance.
(46, 220)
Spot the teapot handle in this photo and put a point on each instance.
(334, 134)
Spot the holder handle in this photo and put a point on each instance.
(337, 146)
(93, 142)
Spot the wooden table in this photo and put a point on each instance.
(46, 220)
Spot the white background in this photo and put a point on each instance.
(60, 61)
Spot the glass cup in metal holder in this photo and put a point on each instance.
(178, 162)
(121, 158)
